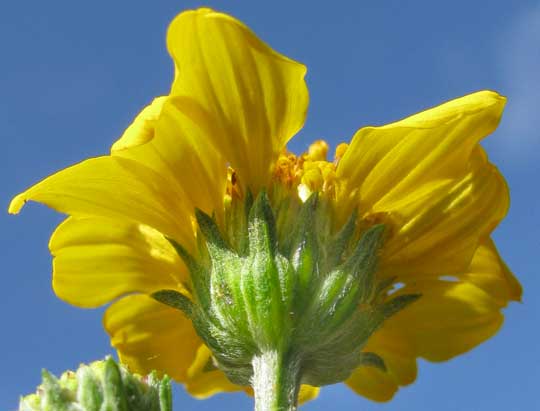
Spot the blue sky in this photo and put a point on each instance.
(73, 74)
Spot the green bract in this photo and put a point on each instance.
(100, 386)
(311, 298)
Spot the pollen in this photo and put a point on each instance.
(233, 189)
(318, 150)
(309, 172)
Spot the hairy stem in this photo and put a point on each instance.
(276, 381)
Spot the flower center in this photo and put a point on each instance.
(309, 172)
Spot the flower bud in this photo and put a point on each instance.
(100, 386)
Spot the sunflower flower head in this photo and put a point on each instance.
(242, 266)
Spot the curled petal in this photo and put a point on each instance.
(385, 164)
(116, 188)
(437, 228)
(489, 272)
(173, 138)
(428, 175)
(431, 181)
(256, 97)
(141, 131)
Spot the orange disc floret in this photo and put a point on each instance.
(308, 172)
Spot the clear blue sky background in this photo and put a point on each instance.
(74, 73)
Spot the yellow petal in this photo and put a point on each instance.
(174, 140)
(307, 393)
(372, 383)
(489, 272)
(398, 355)
(115, 188)
(97, 260)
(203, 383)
(436, 229)
(400, 362)
(151, 336)
(385, 164)
(431, 181)
(449, 319)
(142, 129)
(257, 97)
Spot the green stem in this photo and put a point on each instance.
(276, 381)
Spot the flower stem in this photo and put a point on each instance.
(276, 381)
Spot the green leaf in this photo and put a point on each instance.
(89, 393)
(370, 359)
(165, 394)
(305, 247)
(113, 388)
(53, 398)
(174, 299)
(262, 226)
(395, 305)
(199, 275)
(210, 230)
(363, 261)
(339, 243)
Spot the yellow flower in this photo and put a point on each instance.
(220, 134)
